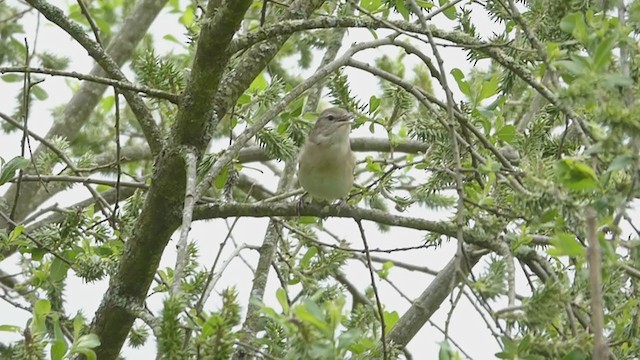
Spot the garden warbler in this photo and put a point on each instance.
(326, 162)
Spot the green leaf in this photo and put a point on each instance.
(259, 83)
(374, 102)
(603, 53)
(37, 254)
(446, 352)
(57, 330)
(310, 313)
(306, 259)
(42, 307)
(11, 77)
(244, 99)
(221, 179)
(78, 325)
(281, 295)
(107, 103)
(10, 328)
(172, 39)
(390, 320)
(39, 92)
(58, 270)
(402, 9)
(371, 5)
(464, 87)
(575, 354)
(621, 162)
(574, 23)
(187, 17)
(40, 311)
(450, 13)
(384, 272)
(574, 67)
(58, 349)
(568, 22)
(15, 233)
(616, 80)
(297, 107)
(576, 175)
(307, 220)
(425, 4)
(565, 244)
(348, 338)
(9, 169)
(489, 88)
(507, 133)
(88, 341)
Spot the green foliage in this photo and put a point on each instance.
(138, 336)
(217, 337)
(577, 147)
(320, 329)
(341, 93)
(12, 47)
(491, 283)
(158, 72)
(54, 61)
(171, 334)
(276, 144)
(10, 168)
(46, 329)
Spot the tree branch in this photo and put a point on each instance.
(160, 215)
(431, 298)
(122, 85)
(89, 94)
(138, 107)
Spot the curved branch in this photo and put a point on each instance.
(79, 108)
(431, 298)
(138, 107)
(255, 59)
(456, 37)
(160, 215)
(122, 85)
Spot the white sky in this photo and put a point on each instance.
(467, 328)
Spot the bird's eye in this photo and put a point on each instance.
(330, 117)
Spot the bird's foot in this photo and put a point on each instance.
(300, 204)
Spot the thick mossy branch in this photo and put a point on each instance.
(255, 59)
(161, 214)
(159, 218)
(193, 125)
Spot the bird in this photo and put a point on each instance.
(326, 163)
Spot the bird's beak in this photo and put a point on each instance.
(347, 119)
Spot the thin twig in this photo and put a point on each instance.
(122, 85)
(375, 290)
(92, 23)
(276, 108)
(104, 204)
(600, 348)
(191, 164)
(207, 287)
(82, 180)
(36, 241)
(114, 214)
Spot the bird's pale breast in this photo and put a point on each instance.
(326, 175)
